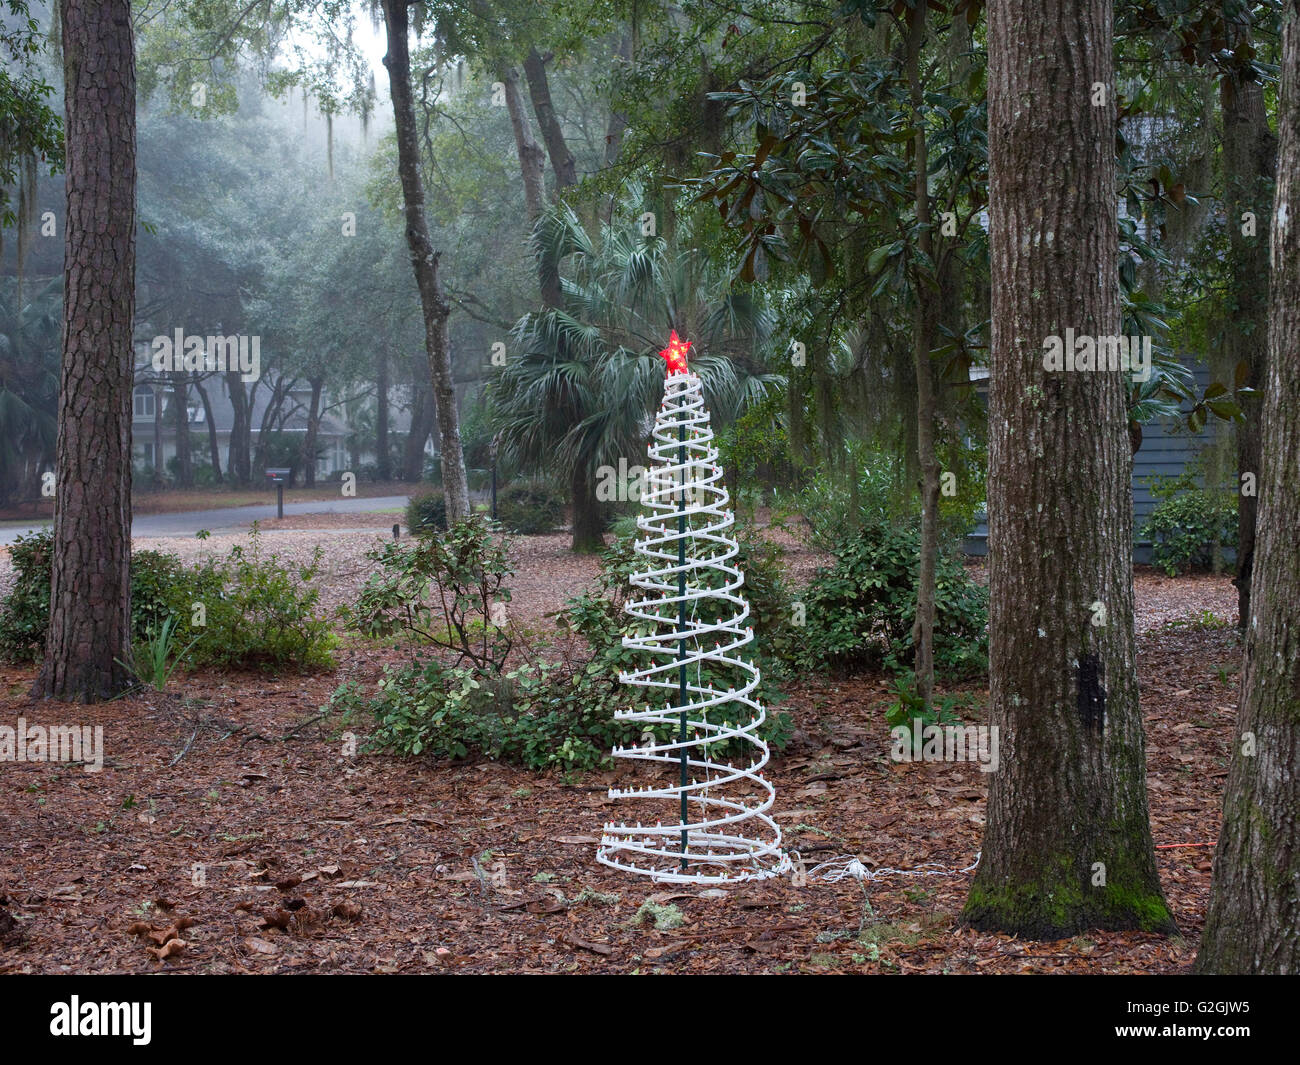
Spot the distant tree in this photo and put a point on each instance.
(30, 337)
(581, 390)
(424, 259)
(30, 132)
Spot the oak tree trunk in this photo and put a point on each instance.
(1253, 924)
(1248, 162)
(532, 159)
(539, 89)
(181, 424)
(214, 449)
(239, 461)
(424, 260)
(310, 436)
(421, 427)
(90, 591)
(383, 457)
(588, 519)
(1068, 845)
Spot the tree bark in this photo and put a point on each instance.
(90, 590)
(588, 522)
(1068, 843)
(424, 260)
(617, 124)
(421, 426)
(539, 90)
(238, 454)
(926, 412)
(313, 430)
(214, 448)
(588, 516)
(157, 472)
(532, 159)
(1253, 924)
(383, 459)
(181, 424)
(1248, 162)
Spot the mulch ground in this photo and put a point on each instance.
(230, 817)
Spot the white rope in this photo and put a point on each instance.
(729, 835)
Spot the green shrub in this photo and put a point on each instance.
(255, 611)
(542, 715)
(260, 612)
(1188, 529)
(161, 585)
(531, 508)
(427, 513)
(25, 612)
(449, 591)
(837, 505)
(859, 612)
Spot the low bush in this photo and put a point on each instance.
(243, 610)
(1189, 529)
(530, 508)
(448, 591)
(542, 715)
(25, 612)
(261, 612)
(427, 513)
(860, 611)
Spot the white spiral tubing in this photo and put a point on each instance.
(724, 800)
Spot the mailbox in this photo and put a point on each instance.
(278, 476)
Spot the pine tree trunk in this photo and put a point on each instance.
(424, 260)
(1068, 844)
(90, 591)
(1248, 162)
(1253, 925)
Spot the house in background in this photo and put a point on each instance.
(153, 426)
(1167, 451)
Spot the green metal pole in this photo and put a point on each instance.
(681, 621)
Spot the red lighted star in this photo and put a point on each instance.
(675, 354)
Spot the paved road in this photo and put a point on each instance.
(225, 519)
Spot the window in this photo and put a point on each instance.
(143, 403)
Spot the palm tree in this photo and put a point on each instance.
(582, 388)
(29, 385)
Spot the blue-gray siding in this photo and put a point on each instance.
(1163, 452)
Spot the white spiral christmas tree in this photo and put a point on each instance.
(692, 622)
